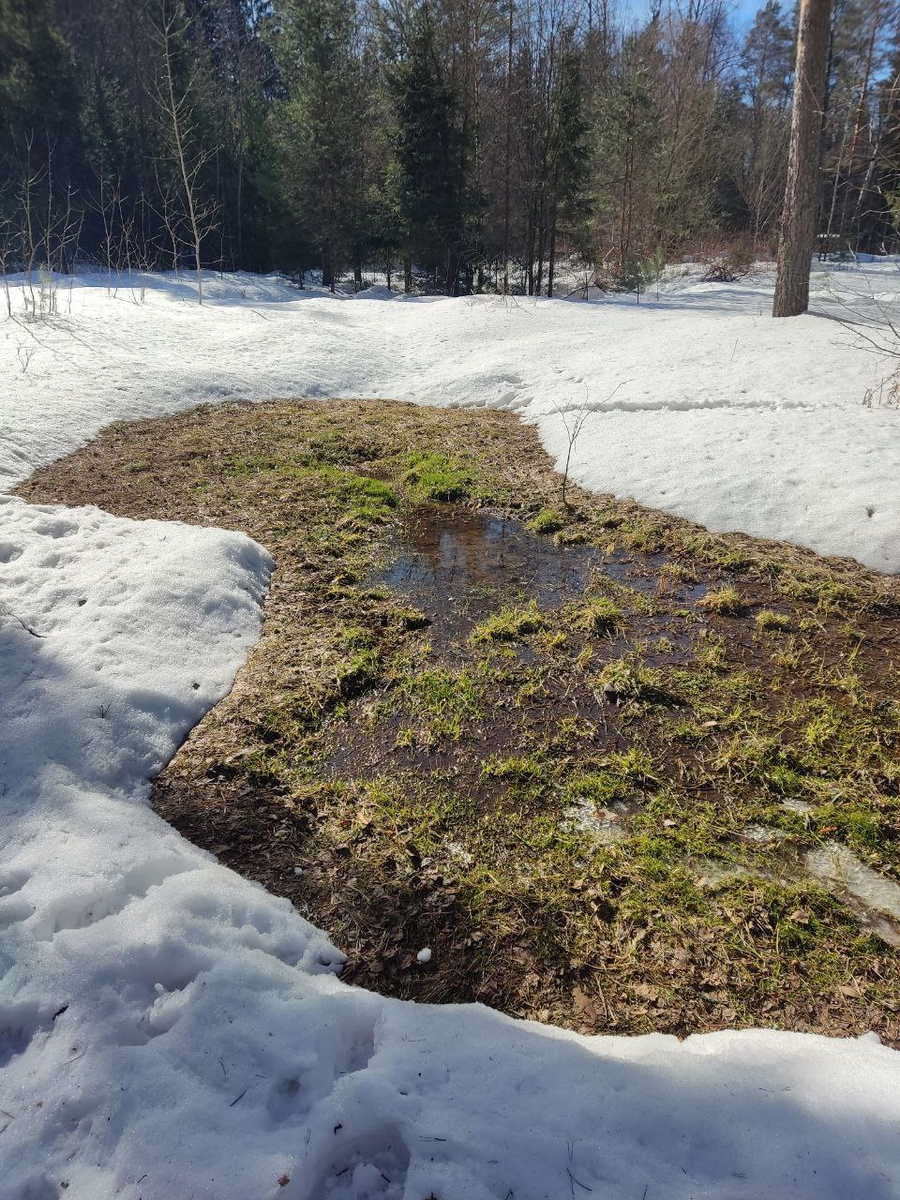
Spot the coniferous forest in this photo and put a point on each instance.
(455, 145)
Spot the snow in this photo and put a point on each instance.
(168, 1029)
(700, 403)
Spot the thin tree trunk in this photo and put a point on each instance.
(829, 228)
(798, 222)
(239, 214)
(451, 273)
(182, 161)
(327, 263)
(860, 118)
(539, 278)
(530, 243)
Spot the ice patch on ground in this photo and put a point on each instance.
(840, 866)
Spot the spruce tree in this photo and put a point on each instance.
(319, 126)
(431, 158)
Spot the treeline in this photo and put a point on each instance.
(479, 141)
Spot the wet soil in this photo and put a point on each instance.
(459, 567)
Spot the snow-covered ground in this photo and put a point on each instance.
(169, 1030)
(701, 403)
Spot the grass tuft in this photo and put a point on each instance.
(546, 521)
(724, 602)
(510, 624)
(623, 680)
(598, 616)
(771, 621)
(437, 477)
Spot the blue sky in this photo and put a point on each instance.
(746, 10)
(743, 11)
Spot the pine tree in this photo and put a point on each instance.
(320, 129)
(798, 222)
(569, 205)
(431, 159)
(41, 159)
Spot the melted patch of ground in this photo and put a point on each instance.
(582, 752)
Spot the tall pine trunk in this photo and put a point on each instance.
(798, 222)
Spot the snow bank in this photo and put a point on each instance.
(700, 403)
(170, 1030)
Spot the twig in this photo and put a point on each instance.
(572, 1181)
(27, 628)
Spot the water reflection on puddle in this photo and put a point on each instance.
(447, 554)
(454, 564)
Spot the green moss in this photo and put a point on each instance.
(546, 521)
(770, 621)
(437, 477)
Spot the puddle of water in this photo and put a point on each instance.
(459, 567)
(454, 564)
(878, 898)
(447, 560)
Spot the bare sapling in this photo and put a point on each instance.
(573, 420)
(6, 261)
(872, 318)
(176, 102)
(48, 236)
